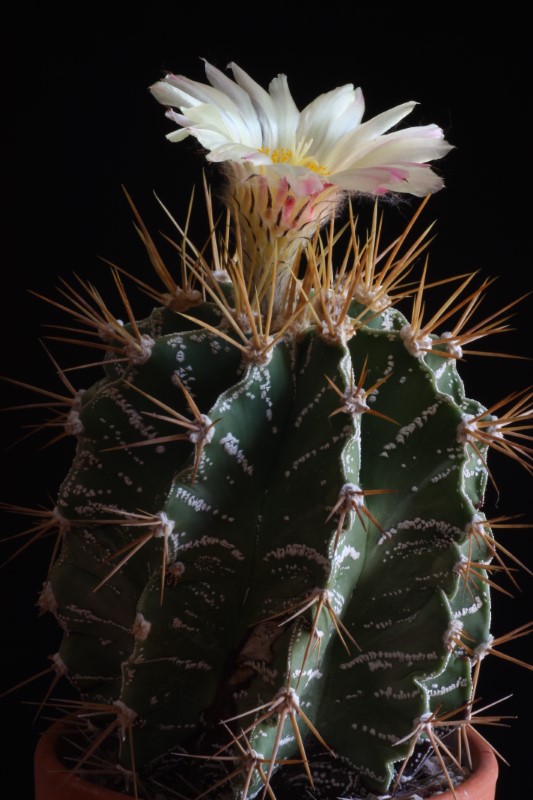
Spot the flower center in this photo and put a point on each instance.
(296, 156)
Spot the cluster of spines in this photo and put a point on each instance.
(337, 306)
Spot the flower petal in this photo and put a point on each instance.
(208, 138)
(234, 151)
(287, 114)
(378, 125)
(327, 118)
(396, 150)
(416, 179)
(241, 99)
(169, 95)
(200, 93)
(302, 181)
(185, 122)
(177, 136)
(208, 116)
(263, 104)
(326, 144)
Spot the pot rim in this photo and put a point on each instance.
(48, 766)
(54, 781)
(482, 782)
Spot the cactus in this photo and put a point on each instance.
(271, 558)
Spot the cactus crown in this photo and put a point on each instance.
(271, 569)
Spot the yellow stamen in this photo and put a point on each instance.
(284, 155)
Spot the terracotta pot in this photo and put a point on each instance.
(481, 785)
(52, 782)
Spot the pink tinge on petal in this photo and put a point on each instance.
(179, 119)
(419, 132)
(253, 157)
(288, 206)
(281, 191)
(396, 174)
(306, 185)
(283, 199)
(419, 180)
(312, 184)
(236, 120)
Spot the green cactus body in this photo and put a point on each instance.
(273, 566)
(299, 568)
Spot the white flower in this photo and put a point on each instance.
(325, 145)
(287, 171)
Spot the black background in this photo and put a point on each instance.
(79, 122)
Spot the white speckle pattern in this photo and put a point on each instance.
(384, 659)
(417, 423)
(347, 552)
(438, 691)
(230, 443)
(298, 550)
(209, 541)
(468, 610)
(309, 407)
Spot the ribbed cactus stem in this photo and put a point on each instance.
(273, 570)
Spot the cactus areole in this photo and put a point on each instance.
(272, 566)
